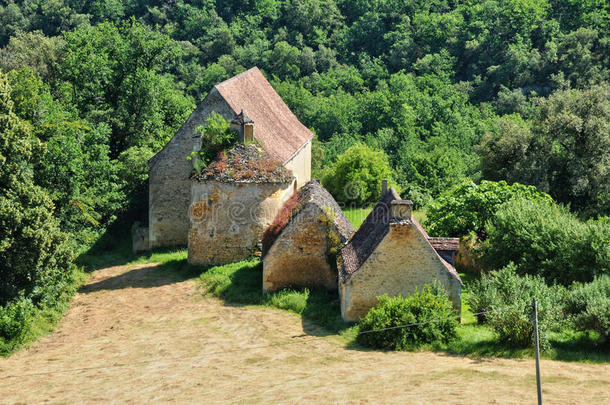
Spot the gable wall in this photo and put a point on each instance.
(402, 262)
(300, 164)
(169, 186)
(298, 257)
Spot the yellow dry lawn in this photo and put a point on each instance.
(133, 334)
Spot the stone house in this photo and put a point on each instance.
(232, 201)
(391, 254)
(271, 123)
(301, 245)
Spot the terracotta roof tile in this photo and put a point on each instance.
(450, 244)
(276, 128)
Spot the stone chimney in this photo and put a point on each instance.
(384, 186)
(402, 209)
(244, 126)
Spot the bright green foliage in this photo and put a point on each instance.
(589, 306)
(34, 260)
(468, 206)
(546, 239)
(216, 137)
(564, 151)
(115, 76)
(506, 299)
(356, 176)
(429, 308)
(75, 167)
(15, 321)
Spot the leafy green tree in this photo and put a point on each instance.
(34, 259)
(357, 174)
(468, 207)
(565, 151)
(115, 75)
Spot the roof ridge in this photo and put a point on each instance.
(239, 75)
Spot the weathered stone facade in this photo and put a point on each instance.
(390, 254)
(276, 129)
(169, 184)
(228, 218)
(304, 252)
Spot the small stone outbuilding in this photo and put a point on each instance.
(391, 254)
(271, 123)
(303, 241)
(232, 202)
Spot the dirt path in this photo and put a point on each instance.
(134, 334)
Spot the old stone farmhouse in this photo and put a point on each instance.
(301, 246)
(391, 254)
(271, 123)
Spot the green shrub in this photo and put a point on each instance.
(15, 320)
(34, 256)
(507, 299)
(589, 306)
(215, 137)
(468, 206)
(357, 174)
(430, 309)
(546, 239)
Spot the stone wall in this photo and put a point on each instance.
(298, 257)
(169, 186)
(300, 165)
(228, 218)
(402, 262)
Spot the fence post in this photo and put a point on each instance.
(535, 305)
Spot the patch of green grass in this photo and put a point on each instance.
(357, 215)
(241, 283)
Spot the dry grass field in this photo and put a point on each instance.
(139, 334)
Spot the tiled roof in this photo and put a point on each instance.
(313, 193)
(450, 244)
(276, 128)
(372, 231)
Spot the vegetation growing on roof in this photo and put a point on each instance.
(216, 137)
(244, 163)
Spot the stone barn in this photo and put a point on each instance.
(271, 124)
(233, 200)
(301, 245)
(391, 254)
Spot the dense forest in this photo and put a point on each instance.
(445, 90)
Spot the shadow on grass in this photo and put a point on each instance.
(241, 284)
(169, 272)
(114, 249)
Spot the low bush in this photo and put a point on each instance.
(588, 306)
(546, 239)
(15, 320)
(506, 298)
(430, 309)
